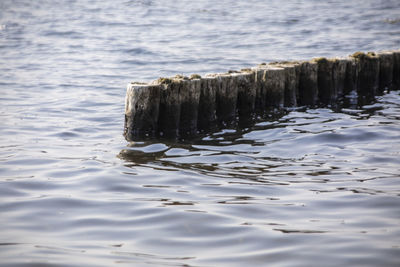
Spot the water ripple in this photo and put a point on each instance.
(296, 188)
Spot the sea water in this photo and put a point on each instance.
(306, 187)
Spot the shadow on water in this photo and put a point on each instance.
(148, 150)
(223, 142)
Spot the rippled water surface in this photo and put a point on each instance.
(308, 187)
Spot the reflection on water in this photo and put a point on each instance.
(297, 189)
(325, 180)
(280, 140)
(308, 187)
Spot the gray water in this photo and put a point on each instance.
(309, 187)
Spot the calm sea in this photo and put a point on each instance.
(308, 187)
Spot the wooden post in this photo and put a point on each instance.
(141, 110)
(308, 84)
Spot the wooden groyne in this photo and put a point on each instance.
(184, 106)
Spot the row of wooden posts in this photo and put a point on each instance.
(184, 106)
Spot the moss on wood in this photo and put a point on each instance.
(195, 76)
(164, 80)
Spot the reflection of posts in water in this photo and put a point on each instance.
(142, 153)
(183, 106)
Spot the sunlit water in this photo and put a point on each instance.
(308, 187)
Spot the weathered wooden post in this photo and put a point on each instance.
(246, 97)
(226, 99)
(308, 83)
(207, 114)
(326, 89)
(292, 77)
(190, 97)
(396, 70)
(141, 110)
(270, 86)
(368, 73)
(351, 76)
(170, 107)
(261, 94)
(386, 60)
(274, 79)
(339, 76)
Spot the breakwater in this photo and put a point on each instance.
(183, 106)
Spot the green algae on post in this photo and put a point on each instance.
(321, 60)
(163, 80)
(195, 76)
(358, 55)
